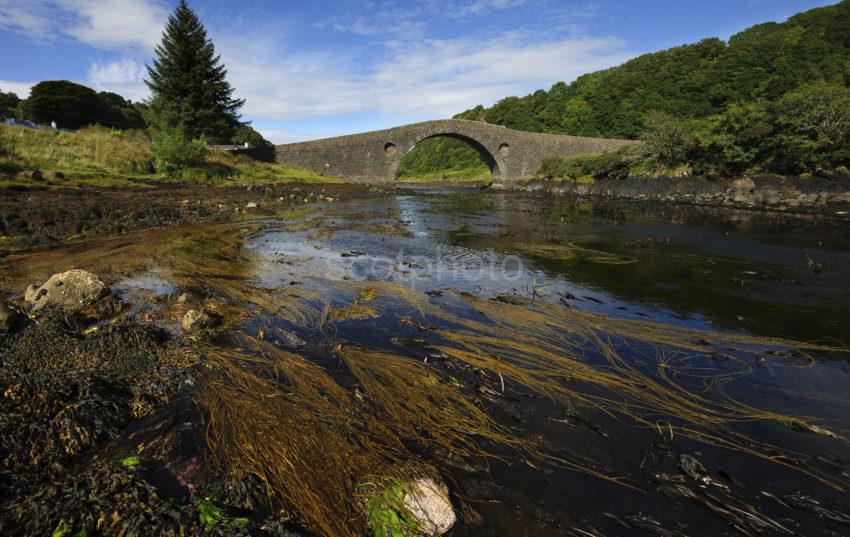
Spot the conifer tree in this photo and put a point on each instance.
(189, 84)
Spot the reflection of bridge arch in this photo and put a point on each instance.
(375, 156)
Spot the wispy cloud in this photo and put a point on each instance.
(125, 77)
(116, 23)
(435, 78)
(479, 7)
(30, 18)
(279, 136)
(111, 24)
(391, 67)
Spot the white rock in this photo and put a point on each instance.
(251, 205)
(198, 319)
(428, 503)
(68, 290)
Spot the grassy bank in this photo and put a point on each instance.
(477, 173)
(97, 156)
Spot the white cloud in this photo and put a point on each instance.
(399, 76)
(116, 23)
(479, 7)
(279, 136)
(436, 78)
(100, 23)
(21, 89)
(125, 77)
(29, 17)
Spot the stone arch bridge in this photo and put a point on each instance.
(375, 156)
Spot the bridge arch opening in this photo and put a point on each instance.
(449, 157)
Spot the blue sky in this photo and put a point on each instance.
(310, 69)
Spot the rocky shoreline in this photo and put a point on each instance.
(827, 196)
(49, 217)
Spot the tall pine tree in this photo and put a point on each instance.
(188, 82)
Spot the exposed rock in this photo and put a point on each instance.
(428, 503)
(744, 183)
(35, 175)
(198, 320)
(49, 416)
(251, 205)
(188, 298)
(509, 298)
(55, 175)
(290, 339)
(69, 290)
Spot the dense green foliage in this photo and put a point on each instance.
(73, 105)
(175, 152)
(8, 104)
(774, 96)
(441, 155)
(189, 84)
(614, 165)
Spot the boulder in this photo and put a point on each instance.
(744, 183)
(69, 290)
(407, 507)
(35, 175)
(200, 319)
(428, 503)
(55, 175)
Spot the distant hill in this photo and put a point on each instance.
(693, 81)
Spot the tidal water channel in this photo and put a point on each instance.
(715, 275)
(565, 367)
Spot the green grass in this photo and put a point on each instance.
(477, 173)
(101, 157)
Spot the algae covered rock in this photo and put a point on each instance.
(69, 290)
(200, 319)
(410, 507)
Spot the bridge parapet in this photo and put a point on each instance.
(375, 156)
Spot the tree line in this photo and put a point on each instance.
(73, 106)
(191, 103)
(774, 97)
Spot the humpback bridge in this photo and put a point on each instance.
(375, 156)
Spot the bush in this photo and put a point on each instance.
(813, 126)
(175, 152)
(613, 165)
(670, 140)
(557, 167)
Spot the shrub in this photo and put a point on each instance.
(670, 140)
(613, 165)
(813, 126)
(175, 152)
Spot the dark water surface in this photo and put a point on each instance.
(739, 272)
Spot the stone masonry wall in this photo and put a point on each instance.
(375, 156)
